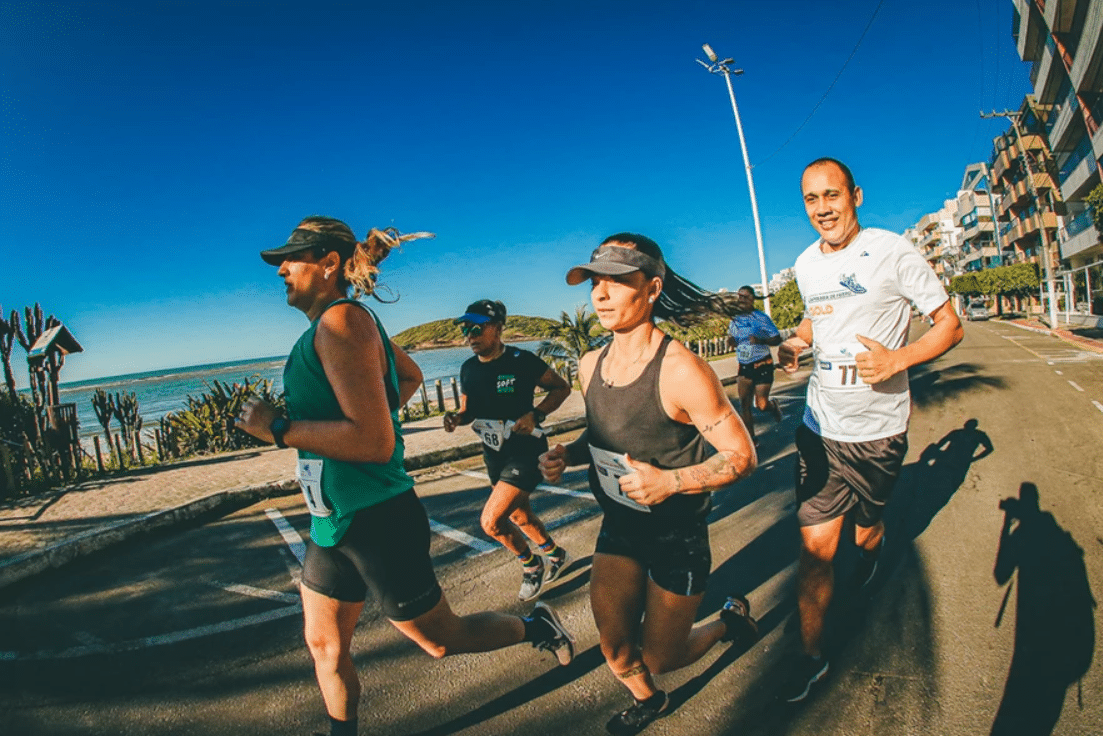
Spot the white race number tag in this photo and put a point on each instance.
(536, 431)
(839, 373)
(493, 432)
(610, 467)
(744, 352)
(309, 474)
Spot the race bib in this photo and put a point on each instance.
(610, 468)
(493, 432)
(839, 373)
(536, 431)
(744, 353)
(309, 474)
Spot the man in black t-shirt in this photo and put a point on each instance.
(498, 384)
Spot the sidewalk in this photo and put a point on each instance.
(1086, 338)
(46, 531)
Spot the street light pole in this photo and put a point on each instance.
(717, 66)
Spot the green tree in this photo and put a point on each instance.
(570, 338)
(786, 306)
(1095, 202)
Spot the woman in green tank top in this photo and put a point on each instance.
(344, 382)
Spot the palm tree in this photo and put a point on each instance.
(571, 338)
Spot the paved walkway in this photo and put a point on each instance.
(48, 530)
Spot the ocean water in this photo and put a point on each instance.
(159, 392)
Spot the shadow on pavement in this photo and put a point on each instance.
(1054, 616)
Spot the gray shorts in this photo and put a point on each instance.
(834, 477)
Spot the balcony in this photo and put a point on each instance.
(1080, 179)
(1031, 225)
(1070, 111)
(1087, 51)
(1079, 235)
(1058, 15)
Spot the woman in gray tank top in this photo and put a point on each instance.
(654, 413)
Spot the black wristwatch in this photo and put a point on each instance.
(538, 416)
(278, 428)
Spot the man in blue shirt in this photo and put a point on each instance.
(752, 333)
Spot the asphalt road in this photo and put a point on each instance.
(199, 632)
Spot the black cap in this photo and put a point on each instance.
(483, 311)
(302, 239)
(615, 260)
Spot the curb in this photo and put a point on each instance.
(54, 556)
(1080, 342)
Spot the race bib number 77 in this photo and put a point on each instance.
(839, 373)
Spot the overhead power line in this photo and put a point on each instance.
(831, 87)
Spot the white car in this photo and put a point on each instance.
(976, 311)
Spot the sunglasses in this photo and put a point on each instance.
(469, 330)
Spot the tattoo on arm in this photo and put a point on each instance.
(718, 422)
(640, 669)
(718, 470)
(677, 480)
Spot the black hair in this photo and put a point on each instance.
(681, 301)
(842, 167)
(747, 287)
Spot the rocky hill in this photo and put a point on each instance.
(443, 334)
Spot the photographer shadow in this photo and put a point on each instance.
(1054, 616)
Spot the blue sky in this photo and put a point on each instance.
(150, 150)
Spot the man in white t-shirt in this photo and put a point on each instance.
(858, 285)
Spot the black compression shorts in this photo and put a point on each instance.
(386, 548)
(761, 372)
(677, 557)
(517, 464)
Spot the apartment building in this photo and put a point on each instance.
(1024, 179)
(974, 219)
(938, 240)
(1064, 41)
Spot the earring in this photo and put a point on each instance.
(650, 300)
(329, 272)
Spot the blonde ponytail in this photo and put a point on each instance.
(361, 269)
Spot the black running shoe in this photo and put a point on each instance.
(639, 716)
(741, 626)
(866, 568)
(807, 671)
(559, 641)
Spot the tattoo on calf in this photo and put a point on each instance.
(640, 669)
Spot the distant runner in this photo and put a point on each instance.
(344, 382)
(498, 385)
(858, 287)
(752, 333)
(661, 436)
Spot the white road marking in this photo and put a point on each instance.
(1097, 405)
(480, 546)
(154, 641)
(541, 487)
(292, 537)
(249, 590)
(1073, 384)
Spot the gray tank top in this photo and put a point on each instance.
(631, 419)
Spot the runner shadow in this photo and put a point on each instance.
(1054, 616)
(932, 385)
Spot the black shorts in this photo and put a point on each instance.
(676, 557)
(517, 463)
(387, 548)
(833, 477)
(761, 372)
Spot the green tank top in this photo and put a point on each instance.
(347, 487)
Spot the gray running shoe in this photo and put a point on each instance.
(559, 641)
(807, 671)
(532, 580)
(555, 565)
(639, 716)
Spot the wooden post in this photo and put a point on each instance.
(440, 396)
(424, 399)
(455, 394)
(29, 454)
(119, 451)
(138, 444)
(405, 413)
(9, 476)
(99, 453)
(160, 450)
